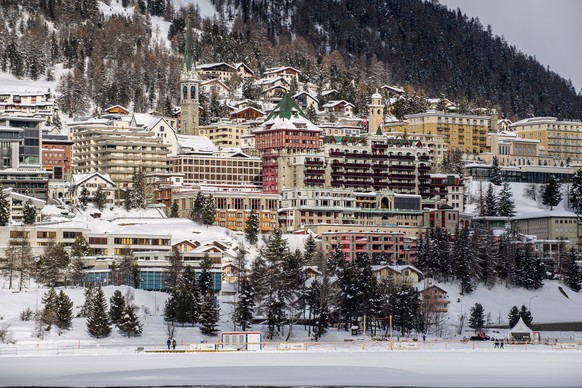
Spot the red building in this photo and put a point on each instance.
(286, 130)
(57, 153)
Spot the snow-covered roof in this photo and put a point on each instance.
(287, 115)
(333, 103)
(197, 143)
(206, 66)
(77, 179)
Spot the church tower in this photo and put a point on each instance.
(189, 90)
(375, 113)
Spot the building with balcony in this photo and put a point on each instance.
(116, 148)
(224, 133)
(467, 133)
(560, 138)
(39, 104)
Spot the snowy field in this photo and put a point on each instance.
(74, 358)
(398, 368)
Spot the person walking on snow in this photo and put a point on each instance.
(169, 342)
(174, 344)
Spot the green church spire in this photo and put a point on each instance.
(285, 107)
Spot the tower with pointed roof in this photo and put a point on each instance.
(286, 132)
(189, 89)
(375, 113)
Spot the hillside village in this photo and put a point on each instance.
(304, 209)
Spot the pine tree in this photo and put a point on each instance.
(572, 272)
(462, 256)
(80, 247)
(197, 207)
(128, 200)
(252, 228)
(552, 195)
(53, 263)
(89, 299)
(209, 211)
(209, 316)
(100, 199)
(245, 305)
(576, 192)
(477, 317)
(129, 322)
(309, 250)
(174, 209)
(116, 306)
(176, 267)
(4, 209)
(495, 177)
(138, 194)
(505, 204)
(84, 196)
(513, 316)
(29, 213)
(98, 323)
(64, 312)
(525, 314)
(49, 312)
(490, 203)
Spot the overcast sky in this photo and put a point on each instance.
(550, 30)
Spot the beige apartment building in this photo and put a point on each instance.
(546, 225)
(217, 167)
(224, 134)
(467, 133)
(116, 148)
(234, 205)
(560, 138)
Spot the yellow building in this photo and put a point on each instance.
(467, 133)
(224, 134)
(234, 205)
(561, 139)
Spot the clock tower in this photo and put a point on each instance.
(189, 90)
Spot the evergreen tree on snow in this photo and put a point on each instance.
(513, 316)
(98, 323)
(252, 228)
(84, 196)
(477, 317)
(404, 305)
(275, 254)
(505, 204)
(209, 310)
(49, 313)
(29, 213)
(349, 300)
(53, 263)
(197, 207)
(576, 192)
(572, 272)
(525, 314)
(174, 209)
(245, 305)
(309, 250)
(489, 203)
(128, 200)
(116, 306)
(64, 312)
(552, 195)
(530, 269)
(209, 211)
(89, 299)
(495, 177)
(4, 209)
(100, 199)
(138, 194)
(176, 268)
(80, 247)
(319, 307)
(129, 322)
(462, 257)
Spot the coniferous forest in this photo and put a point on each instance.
(352, 46)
